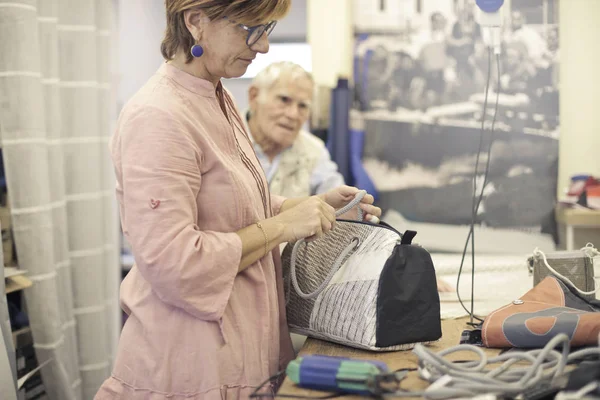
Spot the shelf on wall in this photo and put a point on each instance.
(15, 279)
(16, 283)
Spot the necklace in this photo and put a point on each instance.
(227, 106)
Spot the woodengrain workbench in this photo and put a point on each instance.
(451, 332)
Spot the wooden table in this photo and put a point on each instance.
(576, 218)
(451, 332)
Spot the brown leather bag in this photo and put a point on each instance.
(548, 309)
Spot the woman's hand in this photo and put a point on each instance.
(342, 195)
(444, 287)
(309, 220)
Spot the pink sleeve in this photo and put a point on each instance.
(276, 202)
(186, 267)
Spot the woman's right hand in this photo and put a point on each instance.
(309, 220)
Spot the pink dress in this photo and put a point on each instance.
(196, 329)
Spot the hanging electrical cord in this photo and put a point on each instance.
(256, 395)
(481, 132)
(478, 199)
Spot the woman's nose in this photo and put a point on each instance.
(261, 45)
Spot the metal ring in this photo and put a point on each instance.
(357, 240)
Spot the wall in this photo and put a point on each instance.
(141, 28)
(580, 89)
(330, 37)
(329, 27)
(293, 27)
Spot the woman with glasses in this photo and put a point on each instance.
(205, 297)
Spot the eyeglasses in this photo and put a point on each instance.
(256, 32)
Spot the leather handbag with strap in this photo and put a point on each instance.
(550, 308)
(563, 300)
(363, 285)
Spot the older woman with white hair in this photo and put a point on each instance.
(295, 161)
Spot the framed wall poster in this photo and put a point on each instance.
(420, 90)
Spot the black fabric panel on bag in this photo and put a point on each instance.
(408, 237)
(408, 303)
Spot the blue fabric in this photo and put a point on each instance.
(361, 178)
(338, 141)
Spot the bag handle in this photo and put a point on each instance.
(354, 243)
(355, 202)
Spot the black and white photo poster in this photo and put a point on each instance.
(420, 75)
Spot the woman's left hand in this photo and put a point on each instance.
(342, 195)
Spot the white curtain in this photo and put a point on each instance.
(56, 113)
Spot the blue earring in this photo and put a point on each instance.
(197, 50)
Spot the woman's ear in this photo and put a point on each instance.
(195, 21)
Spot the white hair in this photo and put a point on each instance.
(268, 77)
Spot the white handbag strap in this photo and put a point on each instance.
(355, 202)
(589, 250)
(338, 262)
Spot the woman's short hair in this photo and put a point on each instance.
(268, 77)
(248, 12)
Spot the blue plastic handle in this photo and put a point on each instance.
(321, 372)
